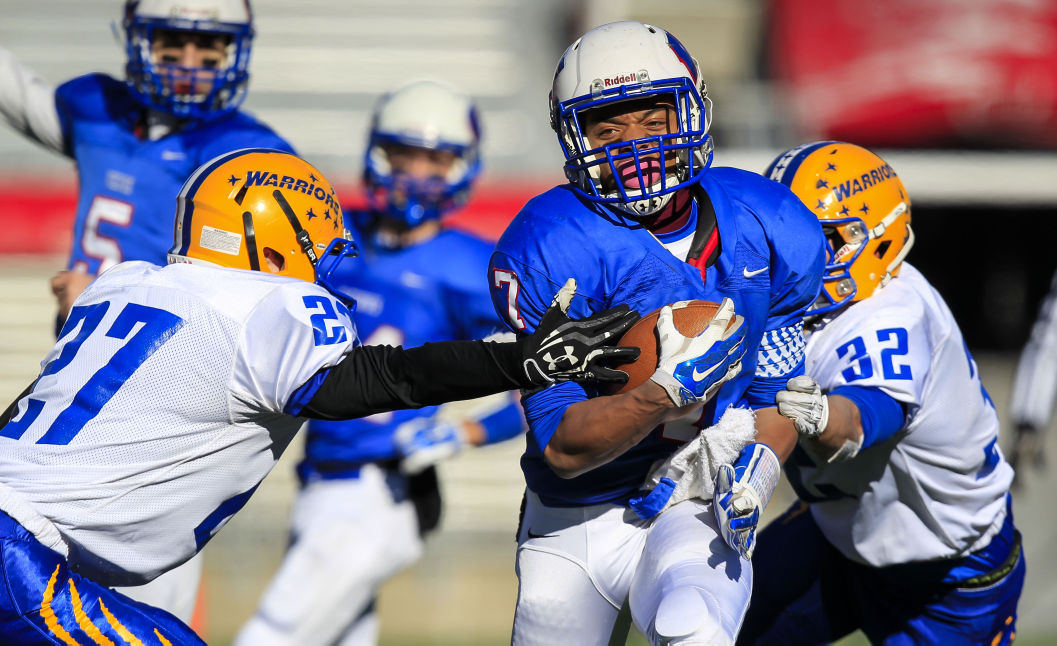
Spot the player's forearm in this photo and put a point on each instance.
(776, 431)
(596, 431)
(374, 379)
(27, 103)
(845, 425)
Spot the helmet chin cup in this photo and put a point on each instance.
(642, 209)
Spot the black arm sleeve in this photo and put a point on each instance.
(374, 379)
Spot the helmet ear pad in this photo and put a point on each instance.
(275, 261)
(864, 210)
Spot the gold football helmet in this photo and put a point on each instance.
(864, 210)
(262, 210)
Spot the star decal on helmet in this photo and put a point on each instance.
(326, 214)
(313, 177)
(233, 180)
(865, 208)
(310, 214)
(822, 184)
(844, 210)
(820, 205)
(831, 166)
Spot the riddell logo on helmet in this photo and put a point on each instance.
(620, 79)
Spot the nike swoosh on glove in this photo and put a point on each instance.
(692, 369)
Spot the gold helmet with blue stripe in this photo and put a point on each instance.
(864, 210)
(262, 210)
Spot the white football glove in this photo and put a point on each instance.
(692, 369)
(742, 491)
(424, 441)
(803, 402)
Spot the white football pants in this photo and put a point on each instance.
(577, 566)
(349, 537)
(175, 591)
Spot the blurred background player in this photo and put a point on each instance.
(1035, 389)
(173, 391)
(904, 528)
(369, 489)
(644, 219)
(136, 141)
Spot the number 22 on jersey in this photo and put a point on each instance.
(143, 329)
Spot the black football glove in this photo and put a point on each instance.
(564, 349)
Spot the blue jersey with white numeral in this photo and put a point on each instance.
(128, 183)
(160, 409)
(770, 264)
(937, 487)
(433, 291)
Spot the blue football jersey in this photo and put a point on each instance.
(770, 264)
(434, 291)
(128, 184)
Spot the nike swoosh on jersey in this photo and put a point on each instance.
(533, 535)
(750, 274)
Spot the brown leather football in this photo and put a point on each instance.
(690, 317)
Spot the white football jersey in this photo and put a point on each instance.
(160, 410)
(937, 488)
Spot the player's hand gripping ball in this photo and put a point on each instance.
(690, 350)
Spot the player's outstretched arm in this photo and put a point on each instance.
(27, 103)
(690, 370)
(373, 379)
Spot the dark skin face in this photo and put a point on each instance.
(634, 119)
(625, 121)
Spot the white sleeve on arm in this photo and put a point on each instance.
(1035, 384)
(27, 103)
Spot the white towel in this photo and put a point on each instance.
(693, 467)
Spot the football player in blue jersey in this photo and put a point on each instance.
(904, 528)
(645, 219)
(369, 489)
(136, 140)
(173, 391)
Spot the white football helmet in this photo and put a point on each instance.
(618, 62)
(430, 115)
(152, 83)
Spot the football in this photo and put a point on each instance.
(690, 318)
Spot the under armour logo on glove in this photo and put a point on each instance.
(585, 344)
(567, 359)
